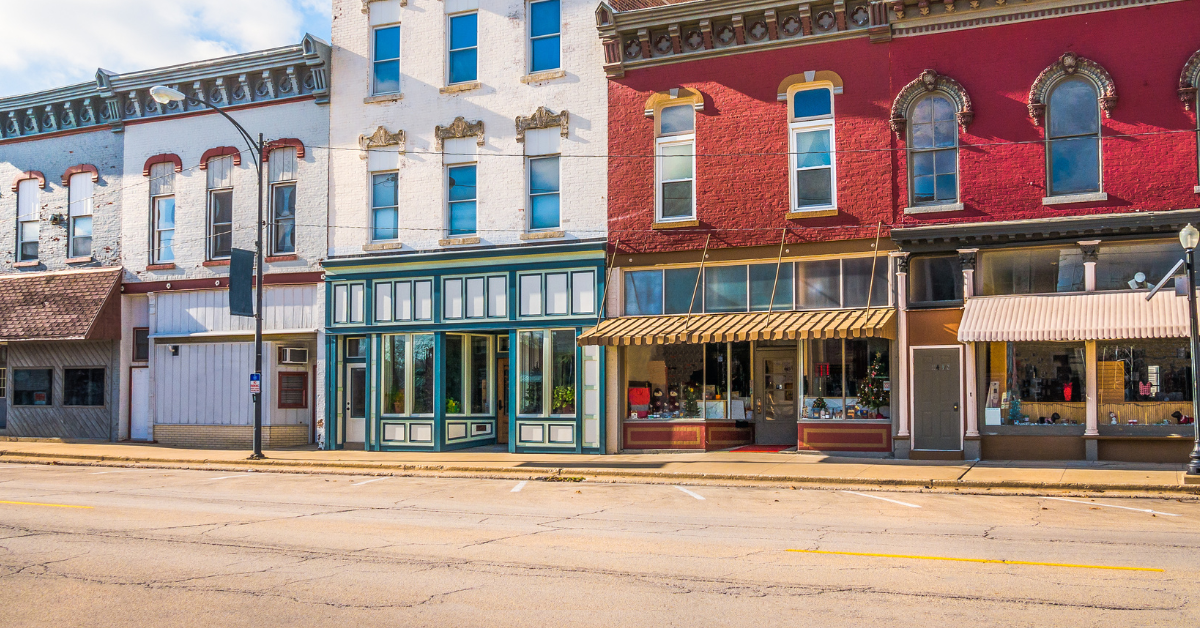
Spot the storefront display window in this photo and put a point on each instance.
(1031, 271)
(535, 350)
(480, 370)
(1135, 266)
(1034, 383)
(531, 371)
(407, 356)
(454, 375)
(423, 374)
(1144, 382)
(686, 381)
(395, 384)
(847, 379)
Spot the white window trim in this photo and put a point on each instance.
(529, 193)
(932, 206)
(212, 224)
(468, 390)
(374, 60)
(529, 36)
(72, 216)
(450, 17)
(659, 144)
(1098, 195)
(21, 223)
(273, 220)
(155, 251)
(371, 205)
(819, 123)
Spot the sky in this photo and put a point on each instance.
(52, 43)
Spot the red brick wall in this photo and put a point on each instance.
(742, 198)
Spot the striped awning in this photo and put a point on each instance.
(646, 330)
(1067, 317)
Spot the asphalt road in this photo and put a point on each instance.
(94, 546)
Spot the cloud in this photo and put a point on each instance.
(64, 43)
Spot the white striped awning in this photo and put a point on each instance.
(1067, 317)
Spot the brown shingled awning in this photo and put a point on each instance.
(645, 330)
(70, 305)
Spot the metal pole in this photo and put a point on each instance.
(258, 310)
(1194, 464)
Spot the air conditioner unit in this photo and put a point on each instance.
(293, 355)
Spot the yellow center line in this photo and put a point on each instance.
(38, 504)
(976, 560)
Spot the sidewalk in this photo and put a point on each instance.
(748, 468)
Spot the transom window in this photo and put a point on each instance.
(463, 48)
(1073, 138)
(403, 301)
(811, 140)
(386, 63)
(348, 303)
(933, 152)
(675, 164)
(559, 293)
(475, 297)
(544, 28)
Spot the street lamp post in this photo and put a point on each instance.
(1189, 237)
(164, 95)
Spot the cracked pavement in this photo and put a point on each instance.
(201, 548)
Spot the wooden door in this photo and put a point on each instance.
(937, 399)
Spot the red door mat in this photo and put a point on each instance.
(767, 448)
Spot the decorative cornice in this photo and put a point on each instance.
(366, 5)
(381, 138)
(283, 142)
(929, 82)
(458, 129)
(29, 174)
(1071, 64)
(1189, 81)
(114, 99)
(220, 151)
(162, 159)
(542, 119)
(80, 169)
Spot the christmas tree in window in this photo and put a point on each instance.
(871, 392)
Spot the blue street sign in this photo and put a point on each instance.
(255, 383)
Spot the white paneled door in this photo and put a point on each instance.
(139, 404)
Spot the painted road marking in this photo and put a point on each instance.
(1076, 501)
(697, 496)
(38, 504)
(882, 498)
(225, 477)
(368, 481)
(518, 487)
(977, 560)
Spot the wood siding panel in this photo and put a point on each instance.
(206, 384)
(200, 311)
(57, 420)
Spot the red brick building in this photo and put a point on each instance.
(1013, 160)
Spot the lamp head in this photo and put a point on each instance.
(163, 94)
(1189, 237)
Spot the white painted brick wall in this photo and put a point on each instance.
(501, 98)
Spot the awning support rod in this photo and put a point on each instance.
(871, 284)
(607, 279)
(778, 264)
(700, 273)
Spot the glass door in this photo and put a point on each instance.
(356, 403)
(775, 411)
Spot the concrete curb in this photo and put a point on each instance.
(597, 474)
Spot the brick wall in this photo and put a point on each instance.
(230, 436)
(746, 196)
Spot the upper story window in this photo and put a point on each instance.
(463, 52)
(28, 198)
(281, 171)
(384, 208)
(220, 207)
(933, 152)
(557, 293)
(544, 29)
(1135, 265)
(675, 167)
(349, 300)
(1032, 271)
(475, 297)
(385, 60)
(544, 193)
(811, 140)
(162, 213)
(79, 225)
(935, 279)
(460, 187)
(1073, 138)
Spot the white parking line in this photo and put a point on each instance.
(882, 498)
(699, 497)
(518, 487)
(368, 481)
(1076, 501)
(226, 477)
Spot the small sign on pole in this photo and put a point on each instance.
(255, 383)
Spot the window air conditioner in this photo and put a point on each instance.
(293, 355)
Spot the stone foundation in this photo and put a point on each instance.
(230, 436)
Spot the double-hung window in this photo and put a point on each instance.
(282, 174)
(544, 30)
(162, 208)
(675, 164)
(933, 152)
(543, 193)
(79, 225)
(28, 194)
(385, 69)
(1073, 138)
(463, 52)
(814, 164)
(460, 187)
(384, 206)
(220, 207)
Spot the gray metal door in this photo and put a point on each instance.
(937, 400)
(775, 397)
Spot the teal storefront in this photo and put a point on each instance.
(455, 349)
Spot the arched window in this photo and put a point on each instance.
(933, 152)
(811, 143)
(1073, 138)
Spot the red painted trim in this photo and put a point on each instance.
(80, 169)
(282, 143)
(279, 391)
(162, 159)
(215, 262)
(29, 174)
(62, 133)
(281, 258)
(142, 287)
(220, 151)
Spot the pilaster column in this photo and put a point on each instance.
(900, 383)
(1092, 398)
(967, 258)
(1089, 249)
